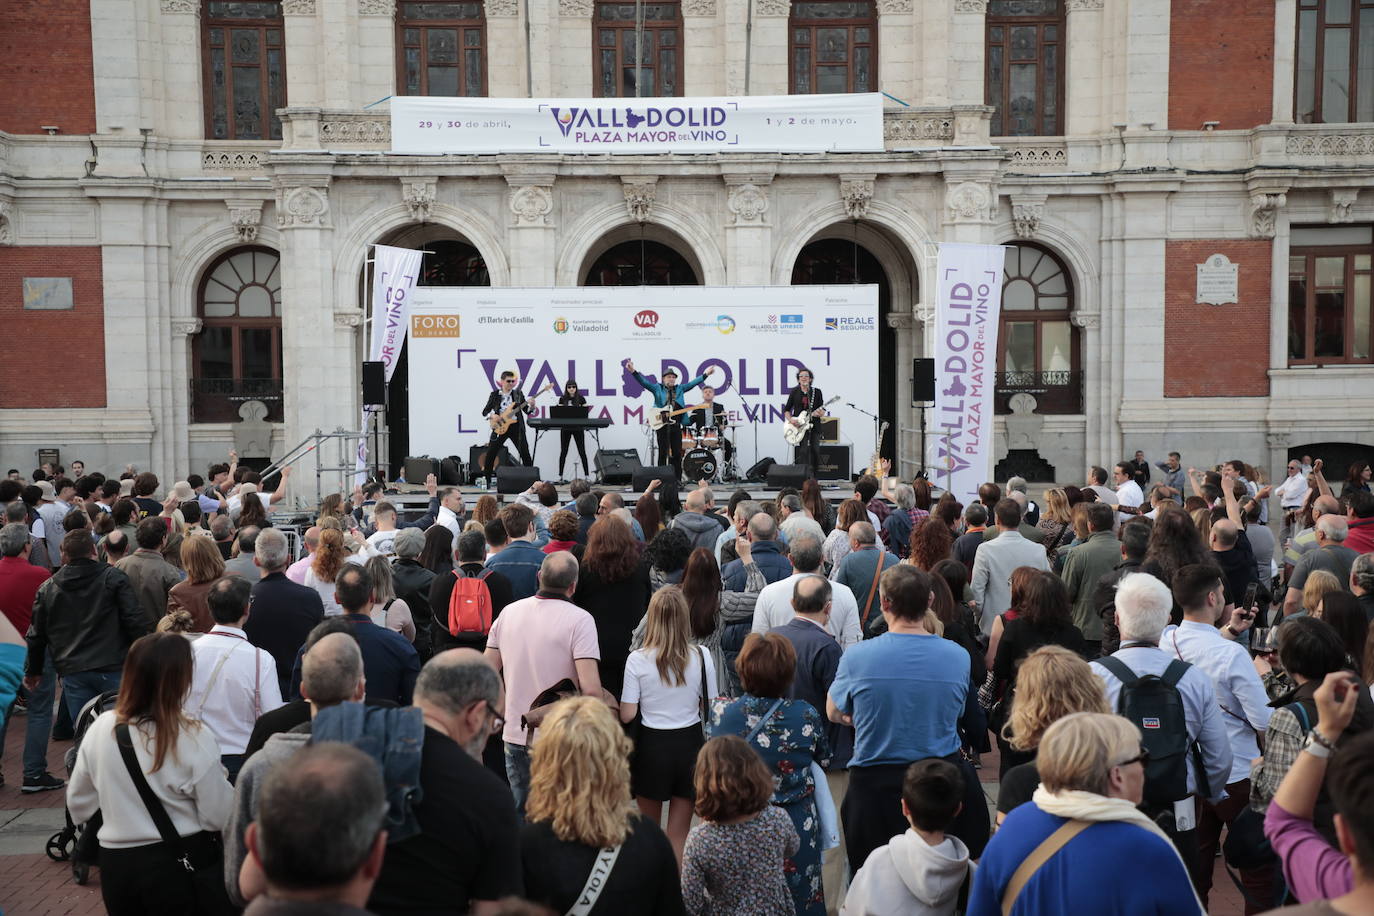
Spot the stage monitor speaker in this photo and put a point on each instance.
(475, 453)
(515, 478)
(836, 463)
(418, 468)
(759, 470)
(830, 429)
(451, 471)
(617, 465)
(787, 475)
(642, 475)
(374, 384)
(922, 381)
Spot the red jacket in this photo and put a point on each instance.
(1361, 536)
(19, 582)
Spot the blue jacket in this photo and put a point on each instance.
(660, 393)
(519, 561)
(392, 737)
(768, 555)
(390, 662)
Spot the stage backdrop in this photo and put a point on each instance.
(756, 338)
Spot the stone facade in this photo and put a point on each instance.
(1125, 201)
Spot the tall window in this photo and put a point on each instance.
(1334, 81)
(245, 69)
(237, 354)
(1329, 276)
(641, 263)
(1038, 345)
(834, 46)
(1025, 64)
(441, 48)
(638, 49)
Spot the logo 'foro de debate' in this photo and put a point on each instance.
(646, 319)
(560, 325)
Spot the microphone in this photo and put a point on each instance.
(851, 404)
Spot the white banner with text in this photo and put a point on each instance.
(753, 340)
(747, 124)
(394, 274)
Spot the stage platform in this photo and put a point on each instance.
(410, 498)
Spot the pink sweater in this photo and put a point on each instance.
(1315, 870)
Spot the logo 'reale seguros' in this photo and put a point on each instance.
(560, 325)
(725, 324)
(647, 318)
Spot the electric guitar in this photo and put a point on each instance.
(500, 422)
(875, 467)
(662, 416)
(794, 432)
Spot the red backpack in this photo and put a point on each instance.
(469, 607)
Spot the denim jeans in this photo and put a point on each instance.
(78, 689)
(518, 772)
(39, 726)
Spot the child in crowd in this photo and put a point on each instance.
(733, 862)
(923, 872)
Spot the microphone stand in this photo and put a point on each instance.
(877, 425)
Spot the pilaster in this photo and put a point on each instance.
(531, 230)
(748, 228)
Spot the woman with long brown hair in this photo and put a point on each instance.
(1020, 581)
(613, 586)
(179, 760)
(437, 553)
(330, 557)
(836, 546)
(649, 516)
(816, 506)
(204, 565)
(486, 509)
(252, 513)
(930, 544)
(721, 619)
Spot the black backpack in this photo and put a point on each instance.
(1154, 704)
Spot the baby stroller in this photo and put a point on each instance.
(76, 843)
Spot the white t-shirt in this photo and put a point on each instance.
(382, 542)
(662, 706)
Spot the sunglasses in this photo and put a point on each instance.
(1143, 758)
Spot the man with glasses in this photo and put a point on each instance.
(1291, 493)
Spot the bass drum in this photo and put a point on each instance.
(699, 464)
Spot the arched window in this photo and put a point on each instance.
(1025, 66)
(1334, 79)
(237, 354)
(441, 48)
(833, 46)
(655, 30)
(452, 263)
(641, 262)
(245, 69)
(1038, 344)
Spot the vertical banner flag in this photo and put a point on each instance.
(969, 298)
(394, 272)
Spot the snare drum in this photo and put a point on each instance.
(709, 438)
(689, 440)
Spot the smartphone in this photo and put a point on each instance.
(1251, 591)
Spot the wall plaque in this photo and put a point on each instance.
(1218, 281)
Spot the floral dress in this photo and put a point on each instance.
(791, 738)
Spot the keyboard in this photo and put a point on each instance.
(570, 423)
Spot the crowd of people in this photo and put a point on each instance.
(675, 706)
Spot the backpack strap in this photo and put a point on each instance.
(1171, 676)
(1301, 712)
(1041, 854)
(1123, 673)
(1174, 673)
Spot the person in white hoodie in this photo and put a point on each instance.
(921, 872)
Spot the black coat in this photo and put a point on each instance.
(281, 615)
(617, 608)
(441, 590)
(87, 615)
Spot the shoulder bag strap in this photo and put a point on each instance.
(1042, 854)
(154, 805)
(214, 677)
(596, 881)
(872, 590)
(763, 721)
(705, 700)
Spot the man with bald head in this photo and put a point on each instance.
(1304, 540)
(296, 571)
(537, 642)
(1231, 554)
(701, 529)
(765, 550)
(861, 568)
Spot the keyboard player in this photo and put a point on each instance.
(572, 398)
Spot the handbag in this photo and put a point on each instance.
(207, 878)
(705, 700)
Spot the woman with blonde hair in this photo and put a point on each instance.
(578, 807)
(330, 557)
(486, 509)
(668, 682)
(1051, 683)
(1319, 584)
(388, 610)
(1084, 822)
(1202, 518)
(204, 566)
(1056, 521)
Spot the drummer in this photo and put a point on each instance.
(710, 416)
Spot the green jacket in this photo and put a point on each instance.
(1087, 563)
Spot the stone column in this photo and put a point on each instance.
(768, 58)
(531, 232)
(301, 32)
(965, 75)
(376, 51)
(907, 438)
(1147, 60)
(704, 55)
(570, 43)
(897, 50)
(748, 230)
(506, 57)
(183, 103)
(1285, 59)
(1084, 99)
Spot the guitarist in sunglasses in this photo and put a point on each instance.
(500, 401)
(668, 396)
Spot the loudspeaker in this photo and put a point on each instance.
(759, 470)
(514, 478)
(451, 471)
(787, 475)
(830, 429)
(475, 453)
(616, 465)
(836, 463)
(639, 482)
(374, 383)
(922, 381)
(418, 468)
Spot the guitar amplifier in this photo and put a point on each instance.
(475, 468)
(836, 462)
(830, 430)
(418, 468)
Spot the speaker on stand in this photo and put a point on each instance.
(374, 399)
(922, 395)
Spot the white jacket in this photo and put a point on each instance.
(909, 877)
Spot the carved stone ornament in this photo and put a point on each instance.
(1026, 216)
(6, 222)
(856, 194)
(698, 7)
(531, 204)
(502, 9)
(378, 7)
(1075, 5)
(924, 313)
(886, 7)
(968, 200)
(180, 6)
(303, 206)
(1342, 199)
(575, 8)
(246, 221)
(298, 7)
(773, 7)
(970, 6)
(748, 203)
(1279, 439)
(1088, 321)
(418, 194)
(639, 197)
(1264, 213)
(353, 318)
(900, 321)
(186, 327)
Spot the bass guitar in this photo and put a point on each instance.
(500, 422)
(662, 416)
(795, 430)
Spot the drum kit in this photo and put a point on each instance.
(699, 447)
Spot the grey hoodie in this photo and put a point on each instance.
(255, 769)
(910, 877)
(701, 529)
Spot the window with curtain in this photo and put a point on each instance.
(1334, 78)
(638, 49)
(833, 46)
(1329, 276)
(245, 69)
(237, 354)
(1025, 66)
(1037, 343)
(441, 48)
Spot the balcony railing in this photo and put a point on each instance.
(1054, 392)
(217, 400)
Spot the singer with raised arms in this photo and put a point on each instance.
(668, 406)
